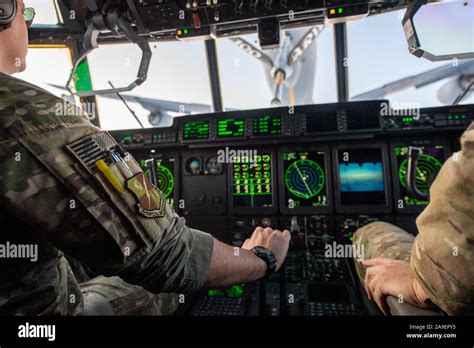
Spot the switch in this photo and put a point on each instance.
(197, 20)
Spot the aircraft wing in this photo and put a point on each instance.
(154, 105)
(165, 105)
(420, 80)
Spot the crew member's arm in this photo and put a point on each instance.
(440, 269)
(388, 277)
(231, 265)
(82, 212)
(443, 250)
(102, 229)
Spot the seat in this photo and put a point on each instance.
(403, 309)
(396, 308)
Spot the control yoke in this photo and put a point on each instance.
(413, 155)
(118, 21)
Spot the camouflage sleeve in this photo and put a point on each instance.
(80, 212)
(443, 253)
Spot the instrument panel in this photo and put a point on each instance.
(320, 171)
(188, 19)
(310, 160)
(324, 121)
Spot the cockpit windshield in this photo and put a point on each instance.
(378, 66)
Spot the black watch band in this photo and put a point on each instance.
(267, 256)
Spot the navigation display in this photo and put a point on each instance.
(429, 164)
(231, 128)
(252, 182)
(361, 177)
(266, 125)
(164, 171)
(196, 130)
(305, 179)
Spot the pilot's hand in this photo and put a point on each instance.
(274, 240)
(387, 277)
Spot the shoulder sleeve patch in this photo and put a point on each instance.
(151, 202)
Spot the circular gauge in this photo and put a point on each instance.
(426, 171)
(165, 179)
(214, 167)
(304, 179)
(193, 166)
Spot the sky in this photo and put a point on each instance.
(377, 54)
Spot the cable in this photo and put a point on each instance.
(128, 107)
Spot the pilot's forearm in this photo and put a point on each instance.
(231, 265)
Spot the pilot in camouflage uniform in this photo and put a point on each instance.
(111, 220)
(442, 255)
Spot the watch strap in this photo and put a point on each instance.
(267, 256)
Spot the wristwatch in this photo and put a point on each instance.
(267, 256)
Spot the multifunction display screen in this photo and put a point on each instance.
(164, 171)
(196, 130)
(429, 164)
(304, 176)
(361, 177)
(266, 125)
(252, 182)
(231, 128)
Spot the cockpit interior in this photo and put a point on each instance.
(315, 116)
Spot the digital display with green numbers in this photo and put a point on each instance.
(266, 125)
(196, 130)
(252, 182)
(231, 128)
(235, 291)
(127, 139)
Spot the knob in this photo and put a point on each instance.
(266, 222)
(294, 227)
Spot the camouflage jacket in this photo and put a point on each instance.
(50, 201)
(443, 252)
